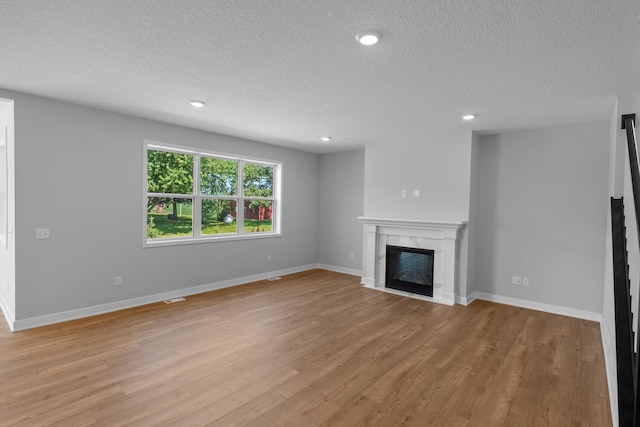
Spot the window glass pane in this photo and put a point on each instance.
(258, 216)
(169, 172)
(169, 217)
(234, 196)
(258, 180)
(218, 177)
(219, 217)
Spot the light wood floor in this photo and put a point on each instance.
(312, 349)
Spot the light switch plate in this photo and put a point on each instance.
(42, 233)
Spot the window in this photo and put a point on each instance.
(195, 196)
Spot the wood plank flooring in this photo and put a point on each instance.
(312, 349)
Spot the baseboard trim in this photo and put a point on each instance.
(8, 315)
(548, 308)
(50, 319)
(466, 300)
(612, 377)
(343, 270)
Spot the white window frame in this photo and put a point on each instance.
(197, 198)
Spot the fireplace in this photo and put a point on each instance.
(439, 238)
(410, 269)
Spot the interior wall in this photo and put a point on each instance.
(472, 226)
(439, 166)
(541, 215)
(342, 197)
(7, 243)
(607, 324)
(79, 173)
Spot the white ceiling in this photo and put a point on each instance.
(287, 72)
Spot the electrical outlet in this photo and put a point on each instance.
(516, 280)
(404, 193)
(118, 281)
(352, 255)
(269, 258)
(525, 281)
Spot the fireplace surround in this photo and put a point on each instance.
(441, 237)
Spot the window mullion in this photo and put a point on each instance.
(240, 191)
(197, 198)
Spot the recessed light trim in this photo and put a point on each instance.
(326, 138)
(468, 116)
(197, 104)
(368, 38)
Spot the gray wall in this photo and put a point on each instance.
(535, 199)
(542, 214)
(472, 227)
(342, 198)
(79, 172)
(439, 165)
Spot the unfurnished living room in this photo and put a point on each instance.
(319, 213)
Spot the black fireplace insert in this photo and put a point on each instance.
(410, 270)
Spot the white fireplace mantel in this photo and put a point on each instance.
(439, 236)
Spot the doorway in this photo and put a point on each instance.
(7, 212)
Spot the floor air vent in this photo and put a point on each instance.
(172, 300)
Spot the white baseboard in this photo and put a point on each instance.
(349, 271)
(466, 300)
(367, 282)
(49, 319)
(610, 364)
(8, 315)
(532, 305)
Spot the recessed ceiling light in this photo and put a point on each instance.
(368, 38)
(326, 138)
(468, 116)
(197, 104)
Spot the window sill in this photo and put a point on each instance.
(194, 241)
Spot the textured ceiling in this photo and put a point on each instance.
(287, 72)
